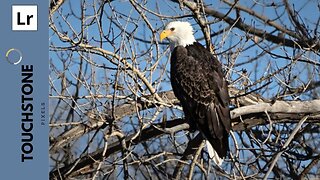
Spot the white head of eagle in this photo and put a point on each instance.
(179, 33)
(198, 82)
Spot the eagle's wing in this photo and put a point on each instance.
(198, 82)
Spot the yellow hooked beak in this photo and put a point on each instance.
(164, 34)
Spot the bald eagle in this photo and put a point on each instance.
(198, 82)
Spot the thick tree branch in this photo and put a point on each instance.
(281, 107)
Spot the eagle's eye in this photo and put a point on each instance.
(172, 29)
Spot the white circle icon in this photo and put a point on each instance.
(14, 56)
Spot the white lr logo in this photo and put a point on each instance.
(24, 17)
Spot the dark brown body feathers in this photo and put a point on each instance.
(198, 82)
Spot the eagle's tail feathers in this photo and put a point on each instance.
(213, 154)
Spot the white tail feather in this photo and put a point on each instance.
(213, 154)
